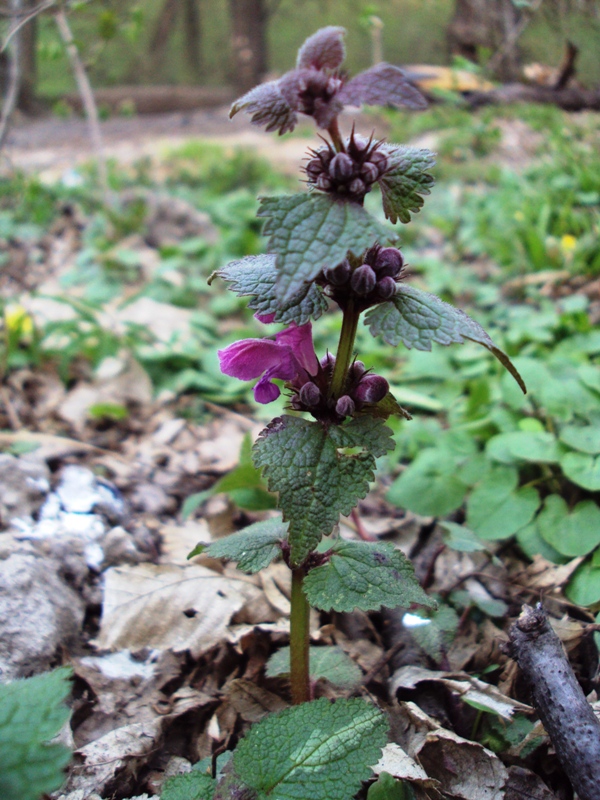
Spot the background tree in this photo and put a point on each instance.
(249, 20)
(491, 24)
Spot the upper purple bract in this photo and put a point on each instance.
(317, 89)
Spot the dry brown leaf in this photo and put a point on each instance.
(464, 769)
(466, 686)
(177, 541)
(276, 584)
(118, 753)
(168, 607)
(49, 446)
(544, 575)
(522, 783)
(396, 761)
(252, 702)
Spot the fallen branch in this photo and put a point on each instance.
(569, 99)
(558, 698)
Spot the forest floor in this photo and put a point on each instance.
(96, 470)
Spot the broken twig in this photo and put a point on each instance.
(558, 698)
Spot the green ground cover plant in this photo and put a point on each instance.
(32, 712)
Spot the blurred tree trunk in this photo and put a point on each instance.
(192, 33)
(28, 61)
(491, 24)
(163, 28)
(249, 41)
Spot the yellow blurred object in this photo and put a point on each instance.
(568, 243)
(17, 320)
(541, 74)
(429, 77)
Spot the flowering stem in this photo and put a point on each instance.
(345, 351)
(299, 640)
(336, 137)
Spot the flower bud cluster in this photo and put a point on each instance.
(315, 88)
(371, 281)
(362, 388)
(351, 173)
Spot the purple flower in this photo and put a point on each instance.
(290, 357)
(317, 89)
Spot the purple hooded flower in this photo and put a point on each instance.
(291, 357)
(317, 89)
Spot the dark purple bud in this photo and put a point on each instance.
(341, 167)
(371, 389)
(357, 370)
(326, 154)
(339, 274)
(363, 280)
(380, 160)
(369, 172)
(358, 145)
(389, 261)
(323, 182)
(310, 395)
(386, 287)
(345, 406)
(357, 187)
(314, 168)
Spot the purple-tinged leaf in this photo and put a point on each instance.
(382, 85)
(255, 276)
(405, 180)
(323, 50)
(268, 107)
(417, 319)
(310, 232)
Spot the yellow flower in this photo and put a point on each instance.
(17, 320)
(568, 243)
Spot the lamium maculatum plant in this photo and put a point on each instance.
(326, 254)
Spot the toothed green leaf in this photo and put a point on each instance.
(317, 481)
(255, 276)
(324, 662)
(364, 575)
(417, 319)
(312, 231)
(254, 547)
(32, 712)
(191, 786)
(314, 751)
(405, 181)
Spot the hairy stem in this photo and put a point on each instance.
(299, 640)
(345, 350)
